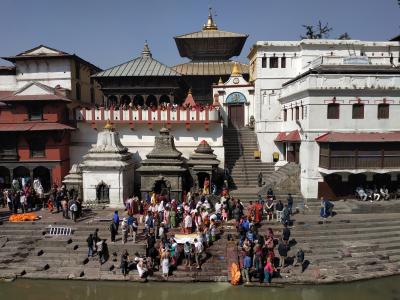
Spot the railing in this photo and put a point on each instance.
(168, 115)
(359, 162)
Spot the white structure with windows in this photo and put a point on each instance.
(334, 91)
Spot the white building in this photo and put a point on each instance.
(313, 98)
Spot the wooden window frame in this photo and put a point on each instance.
(283, 62)
(285, 115)
(273, 62)
(335, 115)
(383, 114)
(356, 115)
(263, 62)
(297, 112)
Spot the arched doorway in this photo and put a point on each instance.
(235, 102)
(103, 193)
(43, 174)
(5, 180)
(164, 99)
(112, 101)
(151, 100)
(138, 100)
(125, 100)
(21, 172)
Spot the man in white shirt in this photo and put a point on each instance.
(198, 251)
(188, 224)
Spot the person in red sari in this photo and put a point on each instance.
(258, 212)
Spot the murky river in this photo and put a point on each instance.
(382, 289)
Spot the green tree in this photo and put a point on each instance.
(319, 31)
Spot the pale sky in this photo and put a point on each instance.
(107, 33)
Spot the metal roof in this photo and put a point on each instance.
(209, 68)
(353, 137)
(144, 65)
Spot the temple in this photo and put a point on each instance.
(209, 51)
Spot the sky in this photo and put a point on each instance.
(110, 32)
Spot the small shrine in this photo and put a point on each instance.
(203, 165)
(108, 170)
(164, 170)
(74, 180)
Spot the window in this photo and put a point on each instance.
(291, 111)
(283, 62)
(263, 62)
(37, 147)
(35, 112)
(78, 91)
(297, 109)
(273, 62)
(77, 70)
(302, 112)
(92, 99)
(358, 111)
(333, 111)
(383, 111)
(285, 115)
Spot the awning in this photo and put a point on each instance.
(359, 137)
(292, 136)
(34, 127)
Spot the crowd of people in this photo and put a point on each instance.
(163, 106)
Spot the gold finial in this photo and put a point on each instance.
(190, 91)
(108, 125)
(235, 70)
(210, 25)
(220, 82)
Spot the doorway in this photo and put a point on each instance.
(293, 152)
(236, 115)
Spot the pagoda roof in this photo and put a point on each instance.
(210, 42)
(215, 68)
(142, 66)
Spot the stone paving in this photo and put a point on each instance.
(362, 241)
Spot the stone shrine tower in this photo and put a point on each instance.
(108, 170)
(164, 169)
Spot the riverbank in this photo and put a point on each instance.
(384, 288)
(356, 244)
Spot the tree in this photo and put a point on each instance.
(345, 36)
(321, 32)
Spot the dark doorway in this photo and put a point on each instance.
(103, 193)
(5, 181)
(201, 177)
(21, 172)
(43, 174)
(161, 188)
(293, 153)
(236, 115)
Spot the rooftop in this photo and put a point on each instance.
(142, 66)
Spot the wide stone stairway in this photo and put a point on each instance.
(244, 169)
(28, 250)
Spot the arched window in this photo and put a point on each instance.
(164, 99)
(138, 100)
(125, 100)
(151, 100)
(103, 193)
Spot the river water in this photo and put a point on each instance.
(377, 289)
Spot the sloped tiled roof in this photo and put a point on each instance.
(209, 68)
(144, 65)
(356, 137)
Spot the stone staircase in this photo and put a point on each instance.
(348, 247)
(27, 250)
(240, 145)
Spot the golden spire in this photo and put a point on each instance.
(220, 82)
(210, 25)
(108, 125)
(235, 70)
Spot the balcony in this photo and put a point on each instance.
(166, 116)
